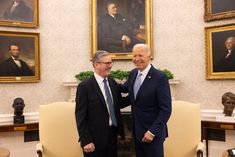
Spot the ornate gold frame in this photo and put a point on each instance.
(210, 74)
(22, 38)
(17, 23)
(120, 55)
(209, 16)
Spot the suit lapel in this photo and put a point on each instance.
(13, 64)
(145, 83)
(98, 91)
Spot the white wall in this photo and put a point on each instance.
(179, 45)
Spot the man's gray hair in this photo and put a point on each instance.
(232, 38)
(98, 55)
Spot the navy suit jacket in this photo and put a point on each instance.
(152, 107)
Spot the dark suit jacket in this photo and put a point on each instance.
(226, 64)
(9, 68)
(92, 116)
(152, 107)
(21, 13)
(111, 31)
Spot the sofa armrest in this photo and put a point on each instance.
(199, 149)
(39, 149)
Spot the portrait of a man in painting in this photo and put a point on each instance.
(120, 24)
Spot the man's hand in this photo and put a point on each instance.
(126, 39)
(89, 148)
(148, 138)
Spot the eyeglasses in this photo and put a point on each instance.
(106, 63)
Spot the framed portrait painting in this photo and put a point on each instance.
(117, 25)
(220, 52)
(19, 13)
(219, 9)
(19, 57)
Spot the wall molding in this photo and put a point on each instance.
(29, 117)
(206, 114)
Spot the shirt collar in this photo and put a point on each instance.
(113, 16)
(145, 71)
(15, 4)
(14, 58)
(99, 78)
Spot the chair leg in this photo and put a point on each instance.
(39, 153)
(199, 153)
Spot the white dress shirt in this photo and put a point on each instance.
(100, 81)
(143, 76)
(144, 73)
(17, 62)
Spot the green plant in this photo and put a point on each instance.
(168, 73)
(117, 74)
(84, 75)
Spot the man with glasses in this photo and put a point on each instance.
(98, 102)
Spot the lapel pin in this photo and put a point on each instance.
(149, 77)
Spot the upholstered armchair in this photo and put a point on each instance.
(184, 127)
(57, 131)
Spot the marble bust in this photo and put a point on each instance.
(228, 101)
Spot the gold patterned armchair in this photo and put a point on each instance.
(57, 131)
(184, 127)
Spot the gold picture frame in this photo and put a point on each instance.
(20, 47)
(220, 52)
(134, 21)
(25, 13)
(218, 9)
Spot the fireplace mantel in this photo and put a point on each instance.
(72, 85)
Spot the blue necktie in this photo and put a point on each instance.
(137, 84)
(110, 103)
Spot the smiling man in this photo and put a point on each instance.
(150, 97)
(98, 103)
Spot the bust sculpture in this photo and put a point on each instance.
(228, 101)
(18, 106)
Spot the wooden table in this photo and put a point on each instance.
(215, 130)
(30, 129)
(10, 127)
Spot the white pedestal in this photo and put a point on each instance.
(225, 118)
